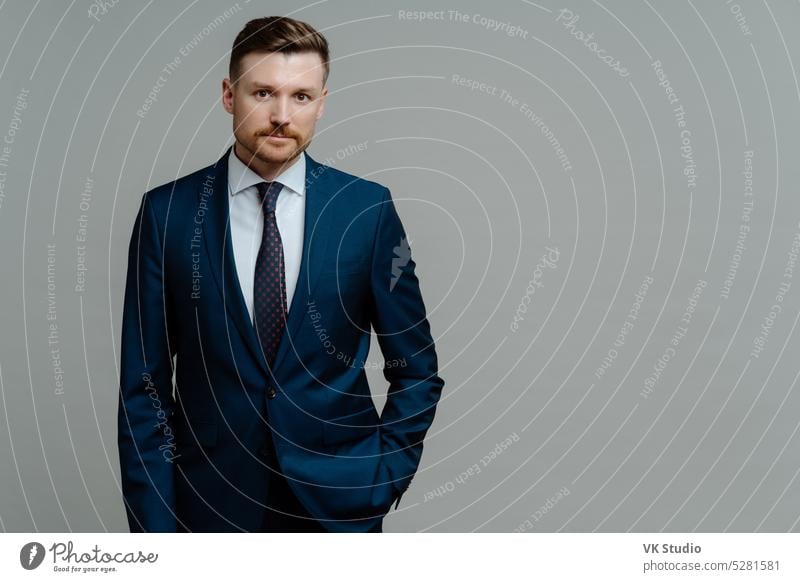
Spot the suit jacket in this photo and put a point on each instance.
(193, 457)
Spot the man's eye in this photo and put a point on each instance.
(262, 93)
(303, 97)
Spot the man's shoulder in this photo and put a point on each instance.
(183, 188)
(345, 182)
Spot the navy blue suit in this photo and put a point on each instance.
(194, 460)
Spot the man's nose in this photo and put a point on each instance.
(279, 113)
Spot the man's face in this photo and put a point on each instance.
(275, 103)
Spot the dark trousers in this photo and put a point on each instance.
(284, 512)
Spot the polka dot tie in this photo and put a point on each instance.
(269, 287)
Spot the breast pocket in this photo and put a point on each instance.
(343, 287)
(344, 267)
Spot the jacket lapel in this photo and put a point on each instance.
(318, 216)
(219, 246)
(216, 232)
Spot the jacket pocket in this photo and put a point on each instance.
(352, 426)
(196, 433)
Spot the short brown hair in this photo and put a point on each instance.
(273, 34)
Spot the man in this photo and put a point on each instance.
(261, 276)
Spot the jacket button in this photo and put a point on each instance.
(271, 393)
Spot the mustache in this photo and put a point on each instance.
(276, 132)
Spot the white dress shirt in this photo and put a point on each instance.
(247, 221)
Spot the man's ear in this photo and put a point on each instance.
(227, 95)
(321, 109)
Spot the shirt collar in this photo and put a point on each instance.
(241, 177)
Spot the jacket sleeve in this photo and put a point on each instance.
(398, 318)
(146, 404)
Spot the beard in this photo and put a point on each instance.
(276, 153)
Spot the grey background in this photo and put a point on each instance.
(482, 193)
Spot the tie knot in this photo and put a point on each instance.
(268, 192)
